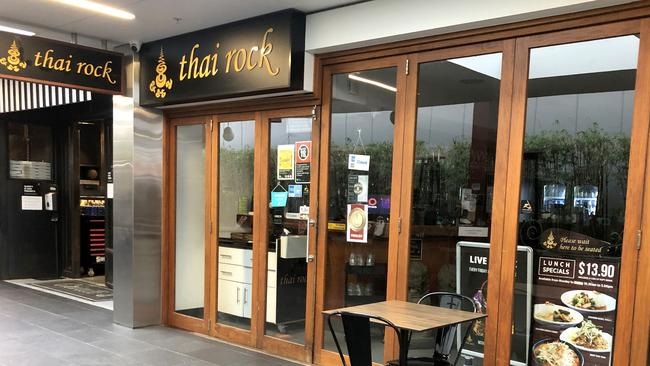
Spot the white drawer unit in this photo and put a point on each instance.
(272, 261)
(236, 256)
(235, 274)
(271, 298)
(271, 279)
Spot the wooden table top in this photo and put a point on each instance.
(412, 316)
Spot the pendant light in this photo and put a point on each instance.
(227, 133)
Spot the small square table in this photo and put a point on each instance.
(408, 316)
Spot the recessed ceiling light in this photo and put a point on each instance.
(99, 8)
(23, 32)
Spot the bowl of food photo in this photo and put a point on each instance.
(556, 316)
(588, 337)
(588, 301)
(553, 352)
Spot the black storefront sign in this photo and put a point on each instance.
(260, 55)
(471, 280)
(58, 63)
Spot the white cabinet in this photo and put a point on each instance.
(271, 298)
(246, 298)
(229, 300)
(235, 274)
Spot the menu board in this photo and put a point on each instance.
(471, 281)
(575, 297)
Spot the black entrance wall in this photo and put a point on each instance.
(39, 244)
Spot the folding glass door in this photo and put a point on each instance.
(453, 186)
(289, 183)
(578, 146)
(359, 200)
(189, 230)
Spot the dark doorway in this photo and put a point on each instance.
(54, 170)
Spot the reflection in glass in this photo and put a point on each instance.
(31, 151)
(235, 257)
(190, 221)
(289, 178)
(578, 123)
(359, 193)
(453, 179)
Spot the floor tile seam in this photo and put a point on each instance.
(193, 358)
(31, 307)
(36, 293)
(240, 348)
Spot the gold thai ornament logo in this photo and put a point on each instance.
(161, 84)
(13, 62)
(550, 242)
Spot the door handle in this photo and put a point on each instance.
(238, 295)
(226, 273)
(312, 223)
(244, 295)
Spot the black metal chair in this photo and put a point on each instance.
(443, 338)
(356, 328)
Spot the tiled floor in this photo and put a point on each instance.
(37, 328)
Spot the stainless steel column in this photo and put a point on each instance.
(137, 206)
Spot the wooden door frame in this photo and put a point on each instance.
(321, 355)
(169, 232)
(302, 353)
(217, 330)
(634, 188)
(506, 48)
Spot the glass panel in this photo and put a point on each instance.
(453, 178)
(573, 187)
(190, 220)
(289, 192)
(359, 193)
(31, 151)
(234, 270)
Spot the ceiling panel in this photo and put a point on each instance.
(154, 18)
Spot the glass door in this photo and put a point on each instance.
(190, 229)
(289, 181)
(577, 158)
(451, 184)
(359, 201)
(234, 212)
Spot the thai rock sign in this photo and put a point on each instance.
(58, 63)
(258, 55)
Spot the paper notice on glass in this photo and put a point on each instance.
(357, 188)
(32, 203)
(295, 190)
(359, 162)
(285, 162)
(357, 227)
(279, 199)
